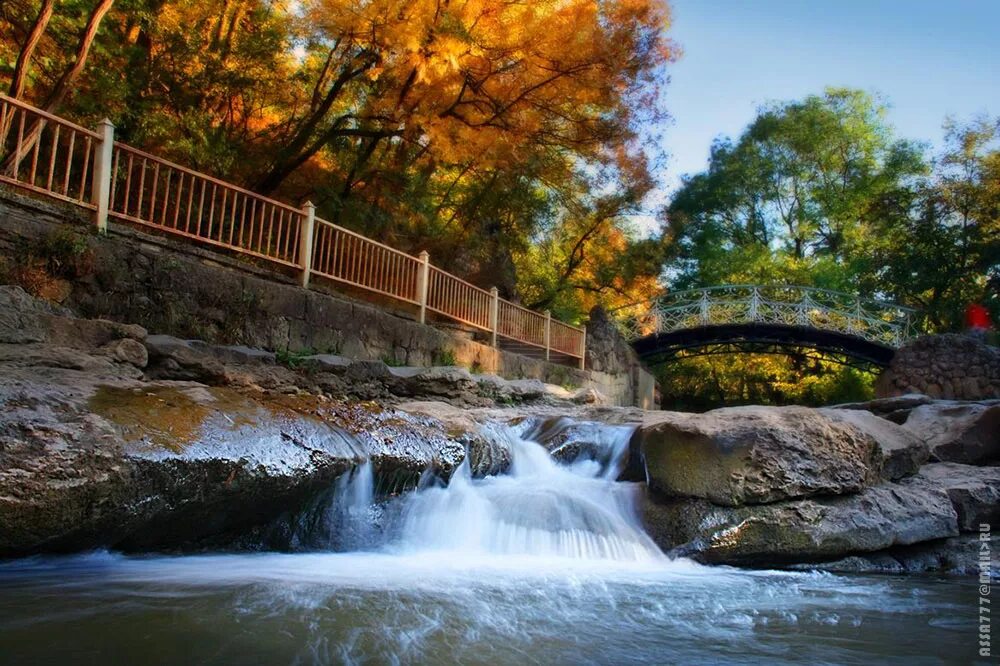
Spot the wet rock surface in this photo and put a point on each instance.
(753, 455)
(880, 517)
(841, 489)
(112, 437)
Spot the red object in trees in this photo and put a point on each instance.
(976, 316)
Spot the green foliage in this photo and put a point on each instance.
(391, 361)
(820, 193)
(706, 382)
(293, 359)
(444, 357)
(66, 253)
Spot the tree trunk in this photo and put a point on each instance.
(28, 50)
(70, 76)
(20, 75)
(65, 82)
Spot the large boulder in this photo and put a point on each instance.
(804, 530)
(974, 491)
(900, 452)
(751, 455)
(962, 432)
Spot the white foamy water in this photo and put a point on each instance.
(545, 565)
(539, 508)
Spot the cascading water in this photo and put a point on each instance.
(539, 508)
(546, 563)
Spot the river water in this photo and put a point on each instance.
(546, 564)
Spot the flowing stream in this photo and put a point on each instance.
(545, 564)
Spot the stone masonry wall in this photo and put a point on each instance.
(950, 366)
(179, 289)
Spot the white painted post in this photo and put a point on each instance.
(704, 307)
(583, 350)
(306, 241)
(548, 332)
(423, 282)
(494, 313)
(101, 185)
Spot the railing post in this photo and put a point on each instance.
(494, 314)
(548, 332)
(101, 185)
(704, 307)
(306, 241)
(754, 304)
(583, 349)
(423, 282)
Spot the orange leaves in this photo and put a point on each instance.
(479, 79)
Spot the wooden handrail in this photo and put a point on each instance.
(114, 179)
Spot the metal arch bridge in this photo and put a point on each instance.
(836, 326)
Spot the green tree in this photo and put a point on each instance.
(797, 198)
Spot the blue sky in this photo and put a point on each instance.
(929, 59)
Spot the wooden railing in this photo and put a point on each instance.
(156, 193)
(46, 154)
(51, 156)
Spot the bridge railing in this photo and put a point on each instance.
(876, 321)
(51, 156)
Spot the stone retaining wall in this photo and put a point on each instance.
(175, 288)
(951, 366)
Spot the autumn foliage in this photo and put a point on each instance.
(500, 136)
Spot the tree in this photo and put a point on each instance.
(799, 195)
(941, 250)
(476, 130)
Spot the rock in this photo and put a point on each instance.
(958, 432)
(589, 396)
(950, 366)
(901, 452)
(173, 358)
(21, 316)
(895, 408)
(368, 371)
(572, 439)
(974, 492)
(446, 382)
(128, 351)
(329, 362)
(956, 555)
(236, 353)
(526, 389)
(803, 530)
(747, 455)
(25, 319)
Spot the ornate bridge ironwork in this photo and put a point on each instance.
(756, 318)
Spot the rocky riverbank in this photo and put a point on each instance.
(843, 489)
(111, 437)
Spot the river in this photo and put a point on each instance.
(545, 564)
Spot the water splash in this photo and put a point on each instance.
(540, 508)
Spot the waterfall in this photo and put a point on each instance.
(540, 508)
